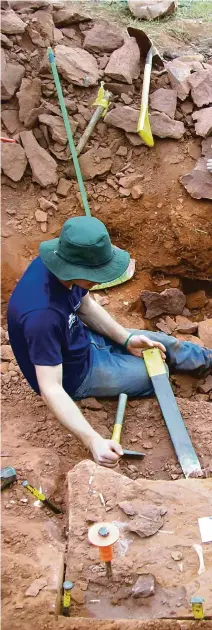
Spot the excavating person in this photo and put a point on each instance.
(68, 347)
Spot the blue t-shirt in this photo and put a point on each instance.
(44, 328)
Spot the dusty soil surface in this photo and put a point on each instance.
(178, 232)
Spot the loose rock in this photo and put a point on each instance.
(169, 301)
(203, 126)
(128, 181)
(46, 205)
(152, 9)
(77, 65)
(177, 555)
(179, 73)
(205, 332)
(13, 161)
(56, 126)
(43, 22)
(123, 117)
(164, 101)
(137, 191)
(91, 403)
(6, 353)
(35, 587)
(185, 326)
(11, 120)
(41, 217)
(145, 586)
(196, 300)
(201, 87)
(67, 16)
(93, 163)
(124, 63)
(11, 76)
(29, 96)
(103, 38)
(78, 595)
(198, 182)
(64, 187)
(11, 23)
(44, 167)
(207, 385)
(165, 127)
(5, 41)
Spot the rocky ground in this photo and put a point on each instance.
(155, 202)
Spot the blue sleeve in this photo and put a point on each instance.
(43, 334)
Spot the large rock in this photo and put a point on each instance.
(103, 38)
(76, 65)
(5, 41)
(179, 74)
(205, 332)
(198, 182)
(152, 9)
(203, 126)
(67, 16)
(124, 63)
(29, 96)
(164, 101)
(165, 127)
(13, 161)
(170, 301)
(44, 25)
(11, 23)
(11, 76)
(124, 117)
(201, 87)
(44, 167)
(25, 5)
(183, 501)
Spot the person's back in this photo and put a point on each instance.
(44, 328)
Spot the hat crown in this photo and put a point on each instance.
(85, 241)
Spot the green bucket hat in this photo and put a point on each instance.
(84, 251)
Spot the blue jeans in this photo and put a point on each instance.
(114, 370)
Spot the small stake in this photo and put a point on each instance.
(67, 588)
(104, 535)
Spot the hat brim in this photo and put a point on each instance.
(64, 270)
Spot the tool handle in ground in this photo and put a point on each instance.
(68, 131)
(42, 497)
(171, 413)
(116, 435)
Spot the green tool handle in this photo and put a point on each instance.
(119, 418)
(68, 131)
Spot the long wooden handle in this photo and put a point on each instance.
(119, 418)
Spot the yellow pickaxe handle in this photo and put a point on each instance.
(119, 418)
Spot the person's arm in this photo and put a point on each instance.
(94, 316)
(105, 452)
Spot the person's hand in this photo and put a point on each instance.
(138, 343)
(105, 452)
(209, 165)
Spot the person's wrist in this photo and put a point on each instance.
(89, 439)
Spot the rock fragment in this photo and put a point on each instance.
(67, 16)
(201, 87)
(169, 301)
(13, 161)
(11, 23)
(164, 101)
(11, 76)
(64, 187)
(165, 127)
(6, 353)
(205, 332)
(77, 65)
(41, 217)
(93, 163)
(145, 586)
(44, 167)
(35, 587)
(198, 182)
(184, 325)
(124, 63)
(123, 117)
(203, 126)
(179, 73)
(29, 96)
(196, 300)
(103, 38)
(152, 9)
